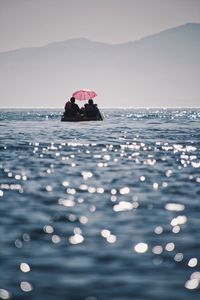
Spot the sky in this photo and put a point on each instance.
(32, 23)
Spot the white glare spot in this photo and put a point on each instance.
(18, 243)
(83, 187)
(123, 205)
(100, 165)
(4, 294)
(24, 267)
(1, 193)
(65, 183)
(111, 238)
(176, 229)
(142, 178)
(113, 198)
(55, 239)
(105, 233)
(178, 257)
(83, 220)
(192, 262)
(113, 192)
(170, 247)
(155, 186)
(195, 164)
(157, 249)
(106, 157)
(86, 175)
(158, 230)
(76, 239)
(124, 191)
(49, 188)
(174, 207)
(100, 190)
(91, 189)
(48, 229)
(92, 208)
(178, 220)
(192, 284)
(72, 217)
(195, 275)
(66, 202)
(168, 173)
(71, 191)
(141, 247)
(26, 286)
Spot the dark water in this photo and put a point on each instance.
(100, 210)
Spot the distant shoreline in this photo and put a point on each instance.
(116, 107)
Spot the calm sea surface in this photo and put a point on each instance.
(100, 210)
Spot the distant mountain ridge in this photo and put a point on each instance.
(160, 70)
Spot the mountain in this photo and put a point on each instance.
(159, 70)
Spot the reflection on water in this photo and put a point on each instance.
(100, 210)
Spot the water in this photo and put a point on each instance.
(100, 210)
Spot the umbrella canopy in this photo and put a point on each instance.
(84, 95)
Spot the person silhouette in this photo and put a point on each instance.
(92, 111)
(71, 108)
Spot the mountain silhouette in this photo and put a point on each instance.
(160, 70)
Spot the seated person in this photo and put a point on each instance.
(71, 108)
(67, 108)
(92, 111)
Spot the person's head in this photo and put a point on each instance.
(90, 101)
(72, 100)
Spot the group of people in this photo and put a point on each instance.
(89, 110)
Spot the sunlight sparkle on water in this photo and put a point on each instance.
(65, 183)
(158, 230)
(141, 248)
(157, 249)
(193, 262)
(178, 257)
(192, 284)
(142, 178)
(24, 267)
(49, 188)
(26, 286)
(111, 238)
(83, 220)
(124, 191)
(76, 239)
(174, 207)
(170, 247)
(55, 239)
(105, 233)
(66, 202)
(86, 175)
(123, 205)
(178, 220)
(48, 229)
(176, 229)
(4, 294)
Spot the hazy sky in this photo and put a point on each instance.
(27, 23)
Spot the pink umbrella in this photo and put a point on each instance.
(84, 95)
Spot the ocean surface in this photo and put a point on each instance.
(100, 210)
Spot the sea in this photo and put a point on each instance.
(105, 210)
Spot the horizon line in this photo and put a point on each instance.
(110, 107)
